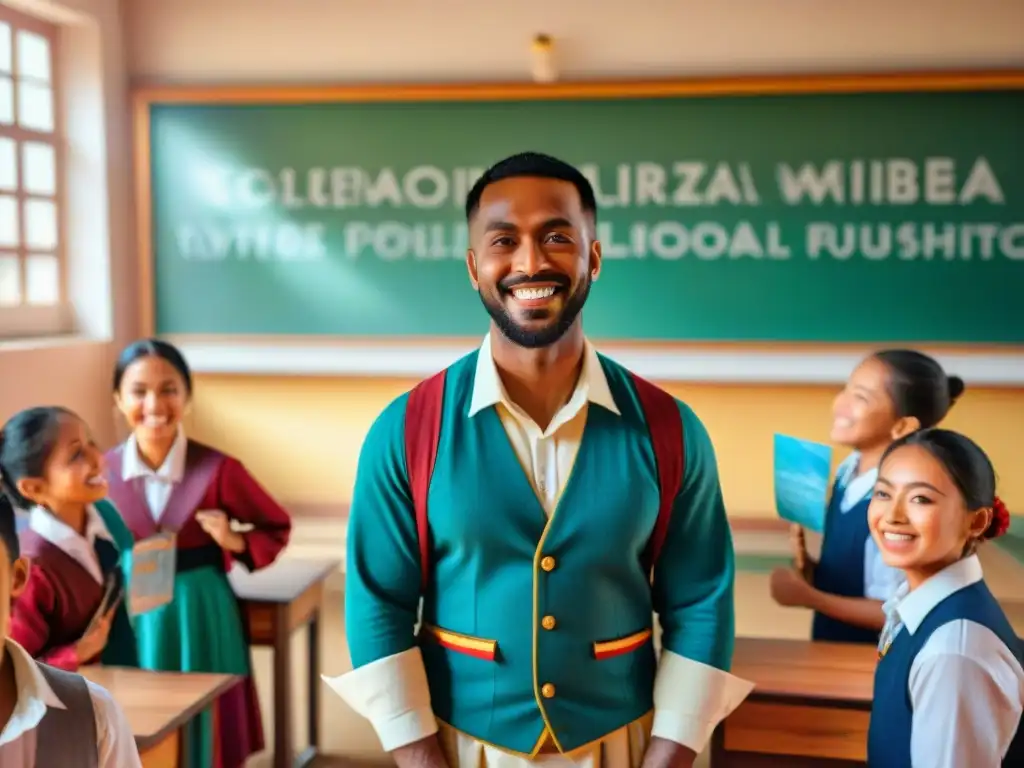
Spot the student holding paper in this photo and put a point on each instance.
(184, 502)
(889, 395)
(50, 717)
(70, 612)
(949, 686)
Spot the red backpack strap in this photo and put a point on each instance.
(665, 424)
(422, 433)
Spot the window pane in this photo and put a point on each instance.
(8, 154)
(42, 279)
(5, 47)
(35, 106)
(38, 168)
(6, 100)
(9, 228)
(10, 280)
(40, 225)
(33, 56)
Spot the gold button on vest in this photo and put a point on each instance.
(547, 691)
(548, 563)
(548, 622)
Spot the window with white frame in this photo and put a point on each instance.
(32, 291)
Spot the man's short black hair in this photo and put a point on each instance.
(532, 164)
(8, 528)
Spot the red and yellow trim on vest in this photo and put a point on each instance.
(477, 647)
(612, 648)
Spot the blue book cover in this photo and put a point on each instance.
(802, 473)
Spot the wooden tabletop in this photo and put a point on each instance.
(282, 582)
(158, 703)
(802, 669)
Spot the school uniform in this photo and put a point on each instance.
(536, 640)
(201, 629)
(949, 688)
(67, 581)
(62, 719)
(851, 564)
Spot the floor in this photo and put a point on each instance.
(350, 741)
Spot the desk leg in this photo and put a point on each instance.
(185, 746)
(313, 644)
(313, 713)
(283, 755)
(718, 758)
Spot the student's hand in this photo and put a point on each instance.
(95, 638)
(789, 588)
(218, 526)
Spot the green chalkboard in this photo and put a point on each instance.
(842, 217)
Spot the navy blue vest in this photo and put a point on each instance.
(840, 569)
(891, 714)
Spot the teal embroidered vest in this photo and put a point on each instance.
(530, 622)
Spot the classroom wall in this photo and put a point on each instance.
(458, 40)
(74, 371)
(302, 436)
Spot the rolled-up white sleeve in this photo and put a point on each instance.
(691, 699)
(391, 693)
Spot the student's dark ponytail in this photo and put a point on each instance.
(956, 388)
(918, 386)
(8, 488)
(5, 483)
(9, 529)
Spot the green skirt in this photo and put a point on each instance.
(200, 630)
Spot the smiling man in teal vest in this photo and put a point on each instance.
(552, 501)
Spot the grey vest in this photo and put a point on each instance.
(67, 737)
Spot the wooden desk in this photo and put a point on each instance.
(810, 707)
(158, 704)
(276, 601)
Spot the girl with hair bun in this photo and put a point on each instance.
(949, 687)
(891, 394)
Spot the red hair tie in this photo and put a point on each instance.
(1000, 520)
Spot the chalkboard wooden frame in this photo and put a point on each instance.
(730, 362)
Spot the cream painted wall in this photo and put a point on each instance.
(75, 371)
(302, 436)
(73, 375)
(377, 40)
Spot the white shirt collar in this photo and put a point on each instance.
(592, 386)
(855, 487)
(57, 532)
(34, 694)
(913, 607)
(846, 473)
(171, 471)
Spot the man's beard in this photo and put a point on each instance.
(546, 335)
